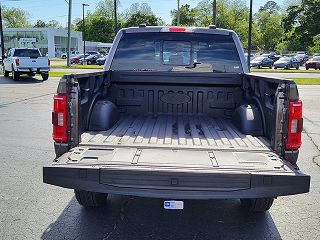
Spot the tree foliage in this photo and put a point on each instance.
(141, 18)
(187, 16)
(301, 24)
(271, 7)
(15, 18)
(268, 21)
(50, 24)
(135, 8)
(105, 8)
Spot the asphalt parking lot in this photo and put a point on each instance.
(30, 209)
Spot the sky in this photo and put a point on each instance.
(47, 10)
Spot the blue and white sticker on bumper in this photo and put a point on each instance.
(173, 205)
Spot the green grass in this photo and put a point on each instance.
(307, 81)
(58, 74)
(57, 59)
(78, 66)
(284, 71)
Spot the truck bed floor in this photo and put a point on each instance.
(167, 131)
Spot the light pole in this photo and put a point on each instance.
(1, 28)
(84, 31)
(115, 17)
(178, 14)
(249, 34)
(69, 33)
(214, 12)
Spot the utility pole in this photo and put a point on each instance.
(115, 17)
(249, 35)
(1, 35)
(69, 33)
(178, 14)
(214, 12)
(84, 32)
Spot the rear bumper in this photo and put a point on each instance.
(33, 70)
(172, 183)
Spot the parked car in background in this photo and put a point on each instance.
(303, 54)
(271, 55)
(316, 54)
(261, 61)
(75, 59)
(26, 61)
(92, 53)
(313, 63)
(301, 59)
(287, 63)
(72, 54)
(251, 57)
(92, 59)
(102, 60)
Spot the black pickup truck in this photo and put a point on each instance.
(176, 115)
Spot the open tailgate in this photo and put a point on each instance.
(174, 173)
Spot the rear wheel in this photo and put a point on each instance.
(257, 204)
(15, 75)
(297, 67)
(89, 62)
(307, 68)
(90, 199)
(6, 73)
(45, 76)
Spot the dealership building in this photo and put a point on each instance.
(52, 42)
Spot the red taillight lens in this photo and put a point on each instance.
(177, 29)
(295, 125)
(49, 62)
(17, 62)
(59, 118)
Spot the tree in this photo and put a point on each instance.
(98, 28)
(40, 24)
(301, 24)
(316, 44)
(50, 24)
(270, 29)
(187, 16)
(14, 18)
(271, 7)
(139, 18)
(105, 8)
(53, 24)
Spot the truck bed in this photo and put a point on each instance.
(183, 132)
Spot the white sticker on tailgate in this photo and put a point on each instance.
(173, 205)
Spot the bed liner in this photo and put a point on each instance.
(183, 132)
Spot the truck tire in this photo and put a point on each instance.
(90, 199)
(15, 75)
(6, 73)
(257, 204)
(45, 76)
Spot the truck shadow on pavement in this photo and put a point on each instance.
(142, 218)
(22, 80)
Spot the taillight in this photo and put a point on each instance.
(59, 118)
(176, 29)
(295, 125)
(49, 62)
(17, 62)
